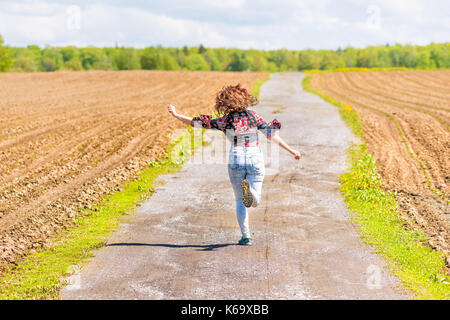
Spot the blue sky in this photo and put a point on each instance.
(259, 24)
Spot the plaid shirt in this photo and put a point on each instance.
(241, 122)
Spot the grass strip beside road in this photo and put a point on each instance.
(376, 216)
(257, 86)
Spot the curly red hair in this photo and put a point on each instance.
(234, 99)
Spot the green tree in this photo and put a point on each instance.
(150, 59)
(6, 60)
(395, 56)
(213, 60)
(258, 62)
(127, 59)
(196, 62)
(185, 50)
(224, 56)
(278, 57)
(51, 59)
(384, 59)
(33, 58)
(201, 49)
(69, 53)
(290, 60)
(103, 63)
(48, 64)
(437, 56)
(330, 60)
(74, 65)
(25, 63)
(90, 56)
(158, 59)
(240, 61)
(308, 60)
(350, 57)
(367, 58)
(423, 60)
(168, 62)
(408, 57)
(35, 51)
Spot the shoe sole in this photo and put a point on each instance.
(248, 243)
(247, 197)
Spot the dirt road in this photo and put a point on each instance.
(181, 244)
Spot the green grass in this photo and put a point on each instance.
(257, 86)
(376, 216)
(40, 275)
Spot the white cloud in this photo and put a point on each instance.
(265, 24)
(146, 28)
(224, 4)
(17, 21)
(34, 8)
(403, 7)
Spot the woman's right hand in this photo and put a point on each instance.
(296, 154)
(172, 110)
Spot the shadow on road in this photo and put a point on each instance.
(201, 247)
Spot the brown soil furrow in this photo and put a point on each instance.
(66, 146)
(374, 84)
(115, 113)
(21, 153)
(393, 81)
(62, 149)
(430, 77)
(424, 85)
(58, 191)
(381, 97)
(34, 134)
(419, 137)
(400, 171)
(57, 102)
(407, 84)
(382, 140)
(442, 75)
(81, 113)
(91, 154)
(17, 230)
(95, 104)
(407, 144)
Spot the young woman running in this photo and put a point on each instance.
(246, 161)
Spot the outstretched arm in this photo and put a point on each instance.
(276, 138)
(173, 111)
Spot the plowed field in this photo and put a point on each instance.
(406, 119)
(69, 138)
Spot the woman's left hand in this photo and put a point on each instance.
(172, 110)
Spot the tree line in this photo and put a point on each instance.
(34, 58)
